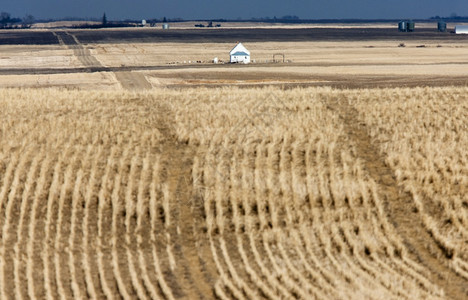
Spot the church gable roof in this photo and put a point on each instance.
(240, 54)
(239, 48)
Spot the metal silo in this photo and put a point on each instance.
(410, 26)
(165, 26)
(441, 26)
(402, 26)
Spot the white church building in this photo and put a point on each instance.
(240, 54)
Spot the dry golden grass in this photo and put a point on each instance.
(87, 81)
(25, 56)
(229, 193)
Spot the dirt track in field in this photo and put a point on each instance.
(83, 54)
(195, 270)
(132, 81)
(400, 206)
(128, 80)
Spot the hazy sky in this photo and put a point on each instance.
(208, 9)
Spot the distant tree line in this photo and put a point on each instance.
(283, 18)
(8, 22)
(104, 22)
(452, 18)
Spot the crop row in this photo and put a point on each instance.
(228, 193)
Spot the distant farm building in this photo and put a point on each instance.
(441, 26)
(406, 26)
(461, 29)
(240, 54)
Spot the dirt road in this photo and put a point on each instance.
(128, 80)
(132, 80)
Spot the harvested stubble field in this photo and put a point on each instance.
(231, 193)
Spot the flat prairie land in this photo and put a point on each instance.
(349, 57)
(142, 170)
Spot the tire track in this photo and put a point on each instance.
(177, 159)
(128, 80)
(399, 205)
(83, 54)
(132, 80)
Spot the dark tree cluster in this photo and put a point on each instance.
(8, 22)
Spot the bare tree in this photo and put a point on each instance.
(28, 21)
(4, 17)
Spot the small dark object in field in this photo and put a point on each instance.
(402, 45)
(421, 46)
